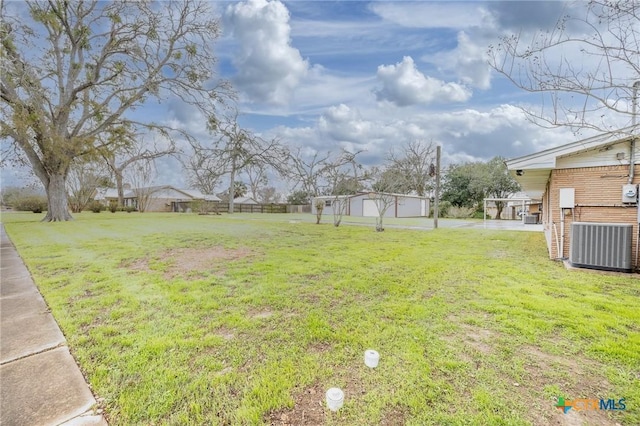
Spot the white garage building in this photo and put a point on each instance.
(364, 204)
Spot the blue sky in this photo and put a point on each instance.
(369, 76)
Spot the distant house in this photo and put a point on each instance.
(244, 200)
(364, 204)
(165, 198)
(108, 195)
(589, 199)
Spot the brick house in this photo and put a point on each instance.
(165, 198)
(586, 183)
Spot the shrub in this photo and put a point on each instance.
(33, 203)
(478, 215)
(129, 209)
(113, 206)
(96, 206)
(443, 208)
(460, 212)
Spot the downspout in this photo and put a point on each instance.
(632, 154)
(561, 255)
(555, 231)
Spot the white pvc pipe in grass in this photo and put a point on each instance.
(335, 399)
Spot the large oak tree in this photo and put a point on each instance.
(72, 70)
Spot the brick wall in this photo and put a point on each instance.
(159, 204)
(598, 198)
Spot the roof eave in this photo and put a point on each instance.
(547, 158)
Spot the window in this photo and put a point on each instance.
(327, 203)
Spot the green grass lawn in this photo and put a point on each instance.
(186, 319)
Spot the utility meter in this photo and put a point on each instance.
(629, 194)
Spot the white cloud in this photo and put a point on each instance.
(269, 68)
(344, 124)
(469, 59)
(466, 135)
(431, 14)
(320, 89)
(404, 85)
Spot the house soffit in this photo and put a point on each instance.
(547, 159)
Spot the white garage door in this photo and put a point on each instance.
(369, 208)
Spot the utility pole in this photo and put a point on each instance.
(437, 196)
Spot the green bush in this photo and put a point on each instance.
(460, 212)
(478, 215)
(113, 206)
(96, 206)
(32, 203)
(443, 208)
(129, 209)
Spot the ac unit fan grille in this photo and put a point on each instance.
(605, 246)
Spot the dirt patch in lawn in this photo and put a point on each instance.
(477, 338)
(225, 333)
(394, 416)
(319, 347)
(576, 377)
(260, 314)
(573, 376)
(309, 404)
(308, 409)
(191, 262)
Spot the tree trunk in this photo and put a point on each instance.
(118, 175)
(232, 192)
(319, 208)
(58, 207)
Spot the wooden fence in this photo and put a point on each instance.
(254, 208)
(211, 207)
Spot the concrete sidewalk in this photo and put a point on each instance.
(40, 382)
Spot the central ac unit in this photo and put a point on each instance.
(530, 220)
(604, 246)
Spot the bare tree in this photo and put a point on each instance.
(141, 175)
(83, 180)
(337, 175)
(239, 148)
(384, 191)
(205, 169)
(343, 176)
(412, 167)
(257, 176)
(132, 149)
(268, 194)
(77, 68)
(582, 94)
(307, 172)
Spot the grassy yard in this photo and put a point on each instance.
(186, 319)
